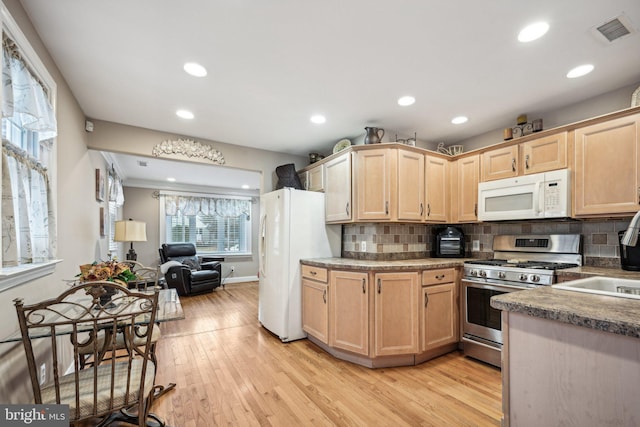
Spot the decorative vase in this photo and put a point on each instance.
(373, 135)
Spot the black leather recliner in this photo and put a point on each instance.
(192, 276)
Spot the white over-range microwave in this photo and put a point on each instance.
(541, 195)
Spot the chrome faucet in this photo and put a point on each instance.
(630, 237)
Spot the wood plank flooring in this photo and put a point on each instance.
(231, 371)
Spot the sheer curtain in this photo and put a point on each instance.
(28, 219)
(214, 205)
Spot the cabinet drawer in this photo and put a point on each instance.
(314, 273)
(434, 277)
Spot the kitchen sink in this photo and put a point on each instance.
(625, 288)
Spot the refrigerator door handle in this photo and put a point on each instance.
(263, 245)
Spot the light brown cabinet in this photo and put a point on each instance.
(439, 317)
(315, 302)
(411, 186)
(537, 155)
(607, 168)
(337, 189)
(465, 175)
(437, 184)
(349, 311)
(396, 318)
(375, 183)
(313, 179)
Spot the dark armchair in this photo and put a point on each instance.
(191, 276)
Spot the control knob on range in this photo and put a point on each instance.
(501, 275)
(473, 272)
(523, 277)
(535, 278)
(483, 273)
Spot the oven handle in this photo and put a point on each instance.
(480, 343)
(494, 286)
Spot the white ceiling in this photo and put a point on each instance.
(272, 64)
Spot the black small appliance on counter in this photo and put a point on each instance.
(629, 255)
(449, 243)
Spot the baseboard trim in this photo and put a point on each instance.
(229, 280)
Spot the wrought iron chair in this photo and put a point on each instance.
(81, 313)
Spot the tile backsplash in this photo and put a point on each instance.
(380, 241)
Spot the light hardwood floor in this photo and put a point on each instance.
(231, 371)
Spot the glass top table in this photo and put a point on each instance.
(169, 308)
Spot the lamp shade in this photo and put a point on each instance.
(130, 231)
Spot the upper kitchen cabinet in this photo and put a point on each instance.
(437, 184)
(375, 173)
(544, 154)
(312, 179)
(465, 175)
(337, 189)
(607, 174)
(535, 155)
(500, 163)
(411, 184)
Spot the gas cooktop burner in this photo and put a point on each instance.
(541, 265)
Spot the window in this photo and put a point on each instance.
(216, 224)
(29, 129)
(116, 200)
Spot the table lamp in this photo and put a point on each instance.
(131, 231)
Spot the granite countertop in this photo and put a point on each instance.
(587, 271)
(395, 265)
(609, 314)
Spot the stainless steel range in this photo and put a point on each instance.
(520, 262)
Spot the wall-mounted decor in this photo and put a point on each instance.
(189, 148)
(103, 221)
(100, 186)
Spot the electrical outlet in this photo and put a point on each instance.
(43, 373)
(363, 246)
(476, 246)
(232, 268)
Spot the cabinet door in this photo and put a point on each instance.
(315, 181)
(338, 189)
(500, 163)
(375, 177)
(465, 177)
(396, 319)
(315, 309)
(437, 196)
(544, 154)
(411, 205)
(606, 167)
(349, 311)
(304, 179)
(439, 316)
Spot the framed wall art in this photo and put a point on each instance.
(100, 185)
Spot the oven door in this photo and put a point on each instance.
(479, 319)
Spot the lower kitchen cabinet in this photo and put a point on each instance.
(439, 316)
(349, 311)
(396, 317)
(315, 309)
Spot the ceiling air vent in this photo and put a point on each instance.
(615, 28)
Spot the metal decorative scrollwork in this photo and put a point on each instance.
(189, 148)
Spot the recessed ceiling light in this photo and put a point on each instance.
(195, 69)
(533, 32)
(170, 179)
(580, 71)
(245, 186)
(406, 100)
(318, 119)
(185, 114)
(459, 120)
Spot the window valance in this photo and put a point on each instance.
(24, 100)
(203, 205)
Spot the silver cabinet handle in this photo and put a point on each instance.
(324, 296)
(421, 208)
(440, 276)
(347, 208)
(363, 288)
(313, 273)
(428, 209)
(379, 286)
(386, 207)
(426, 300)
(526, 161)
(513, 164)
(475, 210)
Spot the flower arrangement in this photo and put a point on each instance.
(112, 271)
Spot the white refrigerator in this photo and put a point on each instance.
(292, 227)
